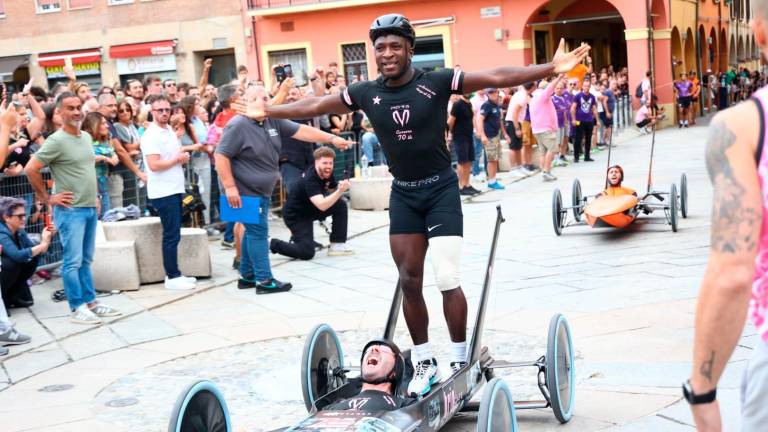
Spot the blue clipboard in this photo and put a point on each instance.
(249, 213)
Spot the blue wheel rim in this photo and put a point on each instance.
(501, 386)
(324, 328)
(571, 374)
(192, 392)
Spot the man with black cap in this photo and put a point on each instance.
(381, 370)
(408, 110)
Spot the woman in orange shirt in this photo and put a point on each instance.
(615, 177)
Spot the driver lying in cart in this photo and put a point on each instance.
(381, 369)
(615, 177)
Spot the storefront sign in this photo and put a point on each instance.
(490, 12)
(136, 65)
(90, 68)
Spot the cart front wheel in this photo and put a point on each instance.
(559, 364)
(321, 362)
(497, 408)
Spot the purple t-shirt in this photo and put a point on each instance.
(684, 88)
(585, 103)
(563, 107)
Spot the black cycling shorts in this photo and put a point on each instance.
(515, 143)
(429, 206)
(465, 148)
(684, 101)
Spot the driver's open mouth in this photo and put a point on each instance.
(373, 361)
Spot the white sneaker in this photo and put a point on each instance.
(189, 279)
(178, 284)
(480, 177)
(424, 376)
(340, 249)
(83, 315)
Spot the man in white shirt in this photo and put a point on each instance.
(478, 165)
(164, 158)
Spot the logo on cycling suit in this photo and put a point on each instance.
(401, 117)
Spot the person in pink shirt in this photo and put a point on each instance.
(735, 283)
(544, 124)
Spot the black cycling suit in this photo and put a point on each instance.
(410, 123)
(369, 401)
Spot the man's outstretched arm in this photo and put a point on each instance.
(735, 232)
(308, 108)
(511, 76)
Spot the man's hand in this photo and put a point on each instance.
(27, 87)
(63, 199)
(563, 62)
(341, 143)
(518, 132)
(69, 71)
(485, 141)
(255, 110)
(287, 84)
(707, 417)
(143, 177)
(182, 157)
(114, 160)
(344, 185)
(207, 64)
(14, 170)
(9, 118)
(319, 74)
(21, 142)
(46, 235)
(233, 197)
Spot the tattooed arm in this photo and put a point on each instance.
(736, 220)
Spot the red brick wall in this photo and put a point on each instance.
(21, 19)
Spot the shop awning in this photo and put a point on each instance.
(78, 57)
(142, 49)
(9, 64)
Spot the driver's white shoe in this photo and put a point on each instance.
(425, 374)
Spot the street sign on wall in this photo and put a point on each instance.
(490, 12)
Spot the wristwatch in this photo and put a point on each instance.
(695, 399)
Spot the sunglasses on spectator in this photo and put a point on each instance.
(20, 215)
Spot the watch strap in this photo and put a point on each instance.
(696, 399)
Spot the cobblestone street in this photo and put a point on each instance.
(629, 297)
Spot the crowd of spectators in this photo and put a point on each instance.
(135, 147)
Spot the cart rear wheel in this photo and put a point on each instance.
(673, 207)
(684, 195)
(559, 364)
(321, 362)
(497, 408)
(200, 407)
(558, 215)
(576, 200)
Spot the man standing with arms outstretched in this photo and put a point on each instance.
(408, 110)
(735, 284)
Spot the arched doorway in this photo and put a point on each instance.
(713, 55)
(596, 22)
(677, 54)
(704, 49)
(732, 54)
(741, 53)
(724, 53)
(690, 51)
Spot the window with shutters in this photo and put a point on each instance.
(80, 4)
(355, 61)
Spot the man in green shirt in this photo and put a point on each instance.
(69, 156)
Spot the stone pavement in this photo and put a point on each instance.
(629, 296)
